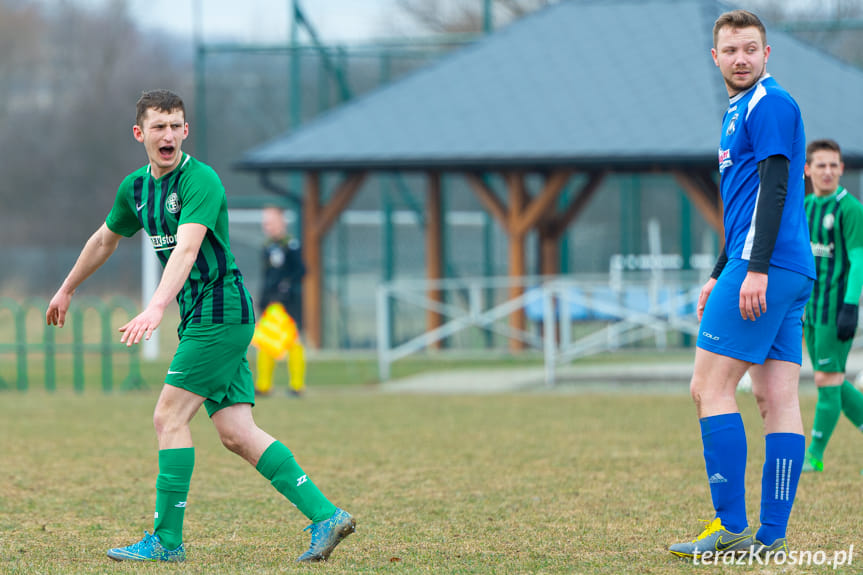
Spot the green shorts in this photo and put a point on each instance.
(826, 352)
(211, 361)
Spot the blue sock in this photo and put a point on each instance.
(782, 465)
(724, 441)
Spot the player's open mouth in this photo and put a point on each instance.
(167, 152)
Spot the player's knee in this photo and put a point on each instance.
(234, 439)
(698, 390)
(164, 424)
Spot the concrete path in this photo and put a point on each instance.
(669, 377)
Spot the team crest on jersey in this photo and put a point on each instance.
(172, 204)
(731, 125)
(828, 221)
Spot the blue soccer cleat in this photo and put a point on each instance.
(327, 534)
(147, 549)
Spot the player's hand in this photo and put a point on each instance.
(846, 321)
(142, 325)
(56, 314)
(753, 295)
(702, 297)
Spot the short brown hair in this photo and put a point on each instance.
(825, 144)
(161, 100)
(739, 19)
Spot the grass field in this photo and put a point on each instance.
(560, 481)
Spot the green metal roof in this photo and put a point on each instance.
(617, 84)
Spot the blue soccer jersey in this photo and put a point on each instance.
(761, 122)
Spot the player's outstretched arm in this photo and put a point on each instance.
(183, 256)
(96, 252)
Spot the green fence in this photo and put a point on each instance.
(79, 348)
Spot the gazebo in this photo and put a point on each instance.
(587, 87)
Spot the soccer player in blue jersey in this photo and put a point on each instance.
(751, 308)
(180, 204)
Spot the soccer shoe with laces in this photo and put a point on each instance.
(811, 464)
(147, 549)
(326, 535)
(715, 539)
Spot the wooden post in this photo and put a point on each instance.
(517, 200)
(434, 248)
(317, 220)
(313, 281)
(549, 248)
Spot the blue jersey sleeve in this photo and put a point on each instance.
(771, 123)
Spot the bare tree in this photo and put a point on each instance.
(72, 79)
(463, 17)
(20, 33)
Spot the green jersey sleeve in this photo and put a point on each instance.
(123, 217)
(852, 230)
(202, 196)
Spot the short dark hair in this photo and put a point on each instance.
(825, 144)
(161, 100)
(739, 19)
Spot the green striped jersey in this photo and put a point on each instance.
(214, 292)
(835, 227)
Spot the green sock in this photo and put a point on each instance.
(852, 404)
(278, 465)
(827, 412)
(172, 488)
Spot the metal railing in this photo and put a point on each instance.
(616, 314)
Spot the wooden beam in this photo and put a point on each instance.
(704, 195)
(434, 247)
(549, 249)
(342, 197)
(585, 194)
(517, 196)
(487, 197)
(540, 205)
(313, 280)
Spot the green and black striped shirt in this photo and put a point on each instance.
(214, 292)
(836, 235)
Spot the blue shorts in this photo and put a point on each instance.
(777, 334)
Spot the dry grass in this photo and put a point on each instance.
(527, 483)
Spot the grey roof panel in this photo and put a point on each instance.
(616, 82)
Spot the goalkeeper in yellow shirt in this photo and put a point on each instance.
(277, 333)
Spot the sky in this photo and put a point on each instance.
(264, 21)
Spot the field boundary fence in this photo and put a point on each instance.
(23, 313)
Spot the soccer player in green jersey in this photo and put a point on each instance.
(180, 204)
(836, 232)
